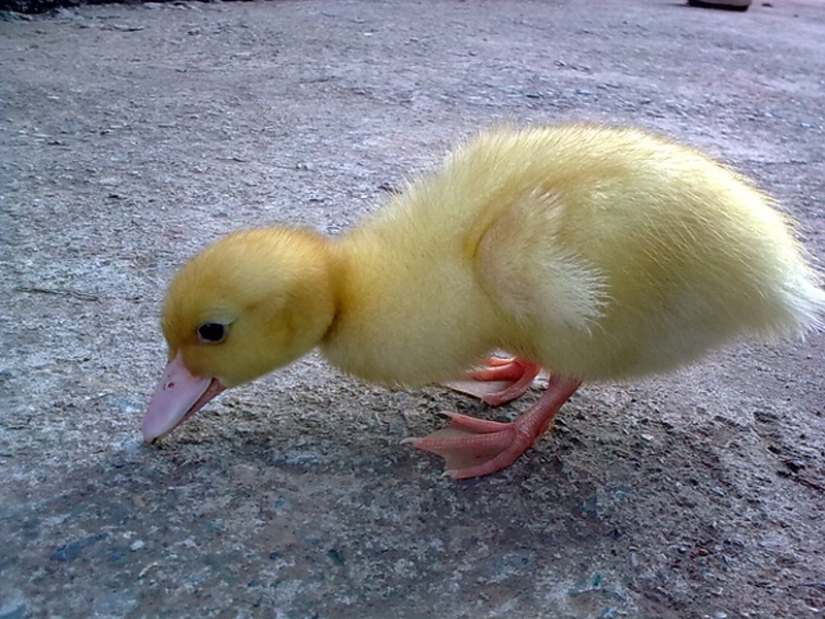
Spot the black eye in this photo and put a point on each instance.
(212, 332)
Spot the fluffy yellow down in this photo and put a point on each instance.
(599, 253)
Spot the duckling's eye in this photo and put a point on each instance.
(212, 332)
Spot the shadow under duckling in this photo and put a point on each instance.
(595, 253)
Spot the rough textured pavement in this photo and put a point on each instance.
(132, 136)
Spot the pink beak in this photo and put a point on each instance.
(178, 396)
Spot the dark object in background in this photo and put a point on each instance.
(727, 5)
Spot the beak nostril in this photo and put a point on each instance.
(170, 385)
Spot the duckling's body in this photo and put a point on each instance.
(594, 253)
(600, 258)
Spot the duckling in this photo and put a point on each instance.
(595, 253)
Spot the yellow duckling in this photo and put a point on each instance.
(595, 253)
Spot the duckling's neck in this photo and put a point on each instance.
(408, 311)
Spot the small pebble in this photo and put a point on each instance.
(137, 545)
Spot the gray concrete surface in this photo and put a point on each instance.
(133, 135)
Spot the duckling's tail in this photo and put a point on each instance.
(804, 300)
(790, 280)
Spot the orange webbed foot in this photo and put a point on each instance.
(499, 381)
(474, 447)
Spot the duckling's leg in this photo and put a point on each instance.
(475, 447)
(501, 381)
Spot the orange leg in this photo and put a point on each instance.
(500, 381)
(475, 447)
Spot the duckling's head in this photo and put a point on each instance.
(246, 305)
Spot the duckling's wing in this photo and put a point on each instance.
(527, 265)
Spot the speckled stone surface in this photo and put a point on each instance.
(131, 136)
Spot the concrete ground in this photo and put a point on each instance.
(133, 135)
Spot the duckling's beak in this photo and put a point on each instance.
(178, 396)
